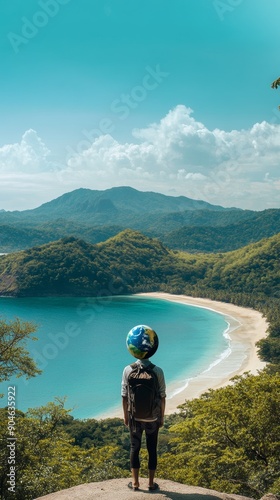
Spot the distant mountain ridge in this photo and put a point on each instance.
(225, 237)
(123, 200)
(179, 222)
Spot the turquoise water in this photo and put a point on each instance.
(82, 352)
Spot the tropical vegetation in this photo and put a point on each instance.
(46, 458)
(227, 439)
(178, 222)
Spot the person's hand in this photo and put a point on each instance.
(125, 419)
(161, 422)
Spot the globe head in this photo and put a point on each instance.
(142, 341)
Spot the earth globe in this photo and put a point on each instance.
(142, 341)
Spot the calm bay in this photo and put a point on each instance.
(81, 347)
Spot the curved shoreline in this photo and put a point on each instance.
(246, 327)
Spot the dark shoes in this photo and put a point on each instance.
(134, 488)
(154, 487)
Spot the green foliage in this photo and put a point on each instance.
(94, 216)
(21, 236)
(224, 234)
(131, 262)
(126, 263)
(46, 459)
(275, 84)
(269, 350)
(14, 358)
(101, 433)
(228, 439)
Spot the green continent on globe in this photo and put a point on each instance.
(136, 352)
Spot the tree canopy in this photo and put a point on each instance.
(275, 84)
(228, 439)
(14, 357)
(46, 458)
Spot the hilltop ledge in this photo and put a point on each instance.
(118, 490)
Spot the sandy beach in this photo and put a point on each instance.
(246, 327)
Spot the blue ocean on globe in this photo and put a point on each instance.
(142, 341)
(81, 347)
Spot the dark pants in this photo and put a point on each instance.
(136, 430)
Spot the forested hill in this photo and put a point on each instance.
(179, 222)
(131, 262)
(121, 204)
(222, 234)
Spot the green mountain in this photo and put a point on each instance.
(178, 222)
(131, 262)
(252, 270)
(20, 237)
(223, 237)
(126, 263)
(120, 203)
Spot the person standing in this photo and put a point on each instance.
(143, 409)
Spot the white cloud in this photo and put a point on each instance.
(182, 155)
(29, 155)
(177, 155)
(28, 177)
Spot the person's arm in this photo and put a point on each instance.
(162, 410)
(124, 394)
(162, 394)
(125, 410)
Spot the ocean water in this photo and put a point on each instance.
(82, 351)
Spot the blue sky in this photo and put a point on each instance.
(167, 97)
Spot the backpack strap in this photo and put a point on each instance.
(135, 365)
(151, 366)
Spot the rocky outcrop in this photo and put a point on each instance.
(270, 496)
(116, 489)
